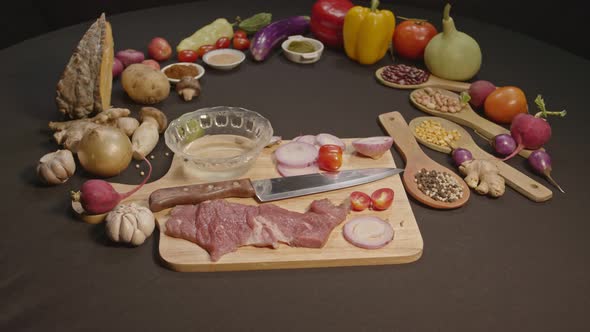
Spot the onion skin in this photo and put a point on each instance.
(529, 132)
(356, 238)
(105, 151)
(504, 144)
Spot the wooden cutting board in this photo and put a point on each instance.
(185, 256)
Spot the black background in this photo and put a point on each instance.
(493, 265)
(562, 23)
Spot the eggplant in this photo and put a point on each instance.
(271, 35)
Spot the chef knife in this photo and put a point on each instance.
(268, 189)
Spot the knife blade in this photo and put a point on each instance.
(266, 190)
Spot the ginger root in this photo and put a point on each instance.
(483, 176)
(69, 133)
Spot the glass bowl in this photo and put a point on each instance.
(218, 143)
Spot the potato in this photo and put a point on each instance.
(144, 84)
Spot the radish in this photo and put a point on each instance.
(296, 154)
(461, 155)
(325, 139)
(294, 171)
(368, 232)
(373, 147)
(99, 196)
(532, 132)
(540, 161)
(479, 91)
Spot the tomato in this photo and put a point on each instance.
(222, 42)
(381, 199)
(241, 43)
(504, 103)
(204, 49)
(159, 49)
(359, 200)
(411, 37)
(187, 56)
(240, 34)
(330, 157)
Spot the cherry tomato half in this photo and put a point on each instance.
(240, 34)
(241, 43)
(204, 49)
(504, 103)
(381, 199)
(222, 42)
(411, 37)
(359, 200)
(330, 157)
(187, 56)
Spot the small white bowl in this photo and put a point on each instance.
(208, 55)
(174, 80)
(310, 57)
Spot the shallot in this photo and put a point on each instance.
(99, 196)
(461, 155)
(532, 132)
(325, 139)
(368, 232)
(478, 91)
(540, 161)
(504, 144)
(373, 147)
(296, 154)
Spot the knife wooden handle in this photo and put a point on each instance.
(169, 197)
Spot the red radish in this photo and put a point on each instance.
(117, 67)
(540, 161)
(478, 91)
(381, 199)
(98, 196)
(325, 139)
(159, 49)
(296, 154)
(373, 147)
(359, 201)
(130, 56)
(293, 171)
(368, 232)
(309, 139)
(532, 132)
(152, 63)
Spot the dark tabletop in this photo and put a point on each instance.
(493, 265)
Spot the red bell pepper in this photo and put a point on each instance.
(327, 19)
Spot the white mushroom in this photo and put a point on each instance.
(145, 138)
(56, 167)
(130, 223)
(127, 124)
(188, 87)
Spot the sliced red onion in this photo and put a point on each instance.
(293, 171)
(296, 154)
(373, 147)
(309, 139)
(324, 139)
(368, 232)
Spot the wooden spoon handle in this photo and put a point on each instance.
(438, 82)
(525, 185)
(404, 140)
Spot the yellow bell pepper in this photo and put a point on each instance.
(367, 33)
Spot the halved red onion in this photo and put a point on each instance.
(373, 147)
(368, 232)
(296, 154)
(324, 139)
(293, 171)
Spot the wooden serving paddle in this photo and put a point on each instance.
(468, 118)
(416, 159)
(515, 179)
(433, 81)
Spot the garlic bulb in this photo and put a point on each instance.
(130, 223)
(56, 167)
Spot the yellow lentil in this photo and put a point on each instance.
(433, 132)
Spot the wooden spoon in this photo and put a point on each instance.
(433, 81)
(416, 159)
(468, 118)
(518, 181)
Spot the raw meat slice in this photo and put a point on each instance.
(221, 227)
